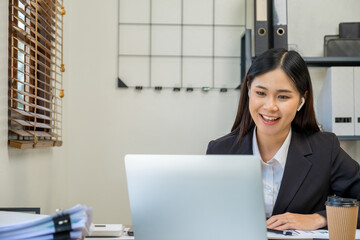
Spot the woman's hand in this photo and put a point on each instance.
(296, 221)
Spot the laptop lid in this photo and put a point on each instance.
(201, 197)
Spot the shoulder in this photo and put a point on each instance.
(322, 145)
(323, 138)
(317, 138)
(222, 145)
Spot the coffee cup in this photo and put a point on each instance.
(342, 214)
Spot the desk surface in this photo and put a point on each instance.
(124, 237)
(299, 235)
(318, 234)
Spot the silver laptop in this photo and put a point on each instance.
(200, 197)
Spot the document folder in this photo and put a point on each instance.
(279, 33)
(246, 58)
(336, 101)
(261, 26)
(357, 100)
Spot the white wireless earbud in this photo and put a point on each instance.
(302, 103)
(249, 93)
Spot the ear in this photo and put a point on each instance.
(301, 104)
(305, 94)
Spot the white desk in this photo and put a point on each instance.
(110, 238)
(273, 236)
(319, 234)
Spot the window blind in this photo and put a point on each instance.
(35, 73)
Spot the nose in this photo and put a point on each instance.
(271, 104)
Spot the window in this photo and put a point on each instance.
(35, 73)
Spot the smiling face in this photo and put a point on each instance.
(273, 102)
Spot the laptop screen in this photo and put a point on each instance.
(200, 197)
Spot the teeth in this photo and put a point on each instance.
(269, 118)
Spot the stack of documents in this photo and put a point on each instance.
(72, 223)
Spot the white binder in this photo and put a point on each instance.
(336, 101)
(279, 31)
(357, 100)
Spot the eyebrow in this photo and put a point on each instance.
(279, 90)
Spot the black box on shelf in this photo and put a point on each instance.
(349, 30)
(341, 47)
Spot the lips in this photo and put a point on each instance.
(268, 119)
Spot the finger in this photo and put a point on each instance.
(277, 223)
(287, 225)
(271, 220)
(274, 218)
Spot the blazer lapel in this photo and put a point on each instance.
(296, 168)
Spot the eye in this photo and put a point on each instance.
(260, 93)
(283, 97)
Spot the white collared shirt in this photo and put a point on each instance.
(272, 172)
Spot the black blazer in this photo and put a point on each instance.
(316, 167)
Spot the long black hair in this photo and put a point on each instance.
(296, 69)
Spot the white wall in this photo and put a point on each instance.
(308, 22)
(103, 123)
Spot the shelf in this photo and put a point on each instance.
(348, 138)
(332, 61)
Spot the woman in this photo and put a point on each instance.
(301, 166)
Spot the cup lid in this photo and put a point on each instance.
(341, 202)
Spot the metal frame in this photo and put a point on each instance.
(121, 83)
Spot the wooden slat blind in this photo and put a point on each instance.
(35, 73)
